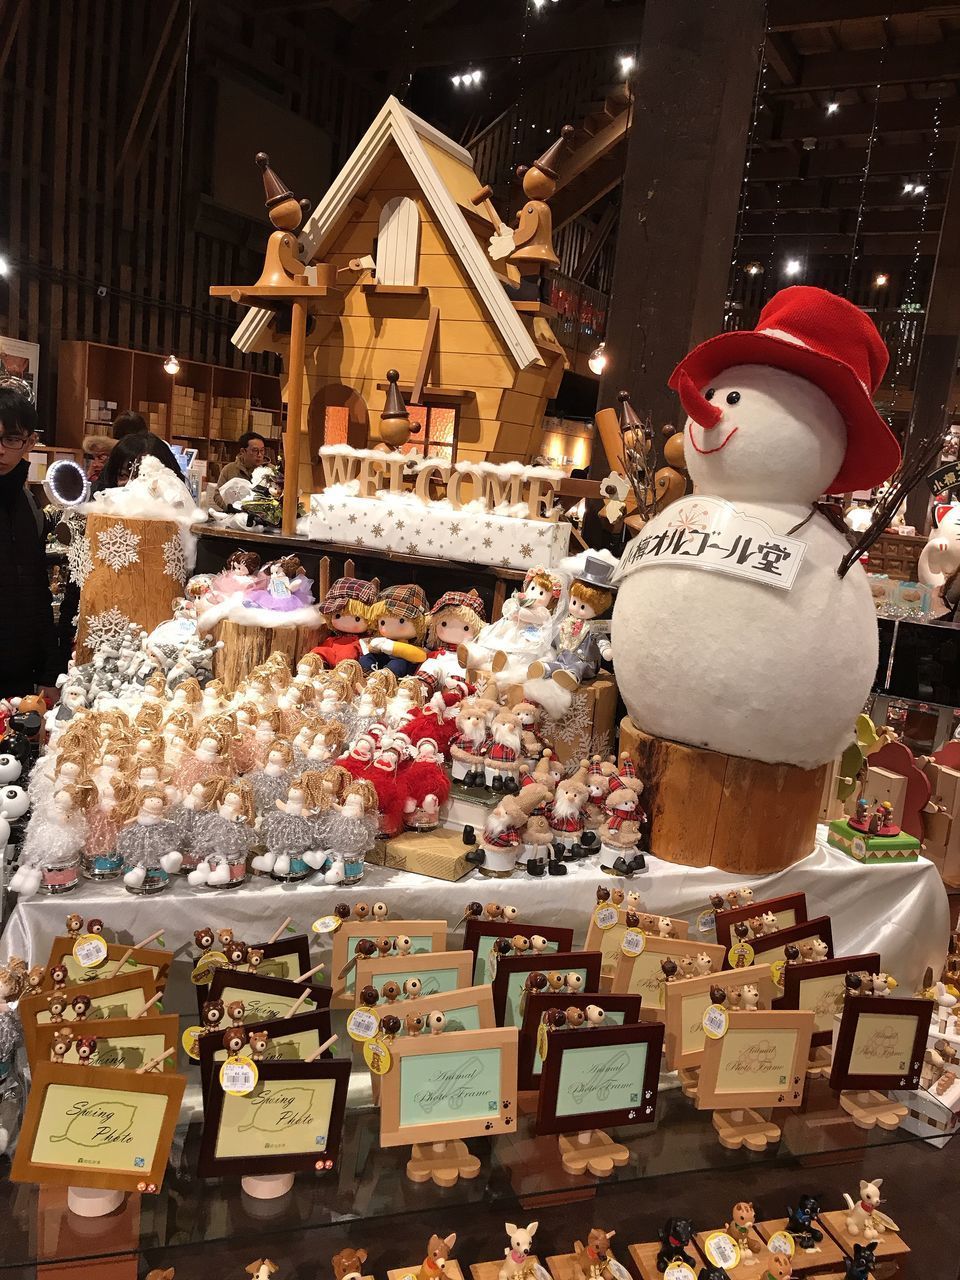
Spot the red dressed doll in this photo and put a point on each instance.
(346, 611)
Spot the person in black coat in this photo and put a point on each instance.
(29, 654)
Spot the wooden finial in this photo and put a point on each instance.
(394, 420)
(550, 160)
(284, 210)
(629, 420)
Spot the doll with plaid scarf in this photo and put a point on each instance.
(400, 619)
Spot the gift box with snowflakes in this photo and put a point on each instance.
(399, 522)
(587, 728)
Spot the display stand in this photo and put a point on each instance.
(645, 1259)
(491, 1270)
(744, 1127)
(750, 817)
(891, 1249)
(451, 1271)
(443, 1162)
(689, 1078)
(268, 1186)
(94, 1202)
(868, 1108)
(818, 1066)
(825, 1257)
(592, 1151)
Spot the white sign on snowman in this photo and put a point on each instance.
(777, 416)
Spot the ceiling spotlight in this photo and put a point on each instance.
(597, 360)
(627, 63)
(754, 269)
(171, 365)
(833, 108)
(881, 280)
(455, 81)
(538, 4)
(908, 188)
(792, 267)
(466, 78)
(4, 265)
(919, 188)
(477, 77)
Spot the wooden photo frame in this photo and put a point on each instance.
(437, 970)
(295, 950)
(291, 1040)
(606, 1076)
(512, 974)
(790, 909)
(120, 997)
(607, 941)
(101, 1127)
(291, 1122)
(61, 952)
(820, 986)
(265, 998)
(771, 1047)
(461, 1084)
(686, 1001)
(771, 948)
(122, 1043)
(642, 975)
(479, 936)
(880, 1043)
(465, 1008)
(620, 1010)
(424, 935)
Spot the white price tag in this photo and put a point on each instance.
(362, 1024)
(617, 1270)
(715, 1022)
(90, 950)
(326, 924)
(633, 943)
(606, 917)
(782, 1242)
(679, 1271)
(238, 1076)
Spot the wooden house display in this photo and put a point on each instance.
(404, 240)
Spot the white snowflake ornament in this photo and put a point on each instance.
(174, 560)
(117, 547)
(106, 628)
(80, 559)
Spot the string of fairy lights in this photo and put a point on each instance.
(865, 175)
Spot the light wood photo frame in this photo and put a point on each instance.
(437, 970)
(642, 975)
(479, 936)
(461, 1084)
(820, 986)
(151, 958)
(880, 1043)
(122, 1043)
(120, 997)
(769, 1046)
(425, 936)
(686, 1001)
(607, 941)
(789, 908)
(74, 1114)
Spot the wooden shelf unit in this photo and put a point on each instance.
(187, 404)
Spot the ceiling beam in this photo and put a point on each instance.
(598, 238)
(813, 222)
(791, 15)
(892, 246)
(899, 64)
(781, 56)
(825, 193)
(779, 164)
(908, 116)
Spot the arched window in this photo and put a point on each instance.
(398, 242)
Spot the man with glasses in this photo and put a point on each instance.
(29, 656)
(253, 454)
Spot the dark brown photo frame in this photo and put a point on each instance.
(558, 960)
(795, 975)
(252, 982)
(211, 1165)
(477, 929)
(819, 927)
(211, 1044)
(725, 920)
(537, 1004)
(282, 947)
(842, 1076)
(643, 1111)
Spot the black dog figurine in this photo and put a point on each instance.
(674, 1236)
(863, 1263)
(710, 1272)
(800, 1222)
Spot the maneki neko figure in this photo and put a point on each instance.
(50, 857)
(149, 843)
(224, 836)
(523, 633)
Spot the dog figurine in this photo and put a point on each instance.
(592, 1260)
(675, 1236)
(348, 1264)
(516, 1257)
(863, 1263)
(740, 1227)
(800, 1224)
(438, 1251)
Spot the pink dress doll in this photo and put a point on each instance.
(287, 588)
(209, 760)
(100, 858)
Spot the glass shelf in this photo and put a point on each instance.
(370, 1184)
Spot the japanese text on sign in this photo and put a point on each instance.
(707, 533)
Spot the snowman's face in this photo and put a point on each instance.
(10, 769)
(779, 438)
(14, 803)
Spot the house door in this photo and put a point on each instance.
(398, 242)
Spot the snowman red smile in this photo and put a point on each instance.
(726, 440)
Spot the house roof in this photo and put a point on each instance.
(415, 140)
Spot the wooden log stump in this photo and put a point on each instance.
(709, 809)
(136, 571)
(246, 647)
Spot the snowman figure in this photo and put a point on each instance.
(777, 416)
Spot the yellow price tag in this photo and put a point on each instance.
(606, 917)
(716, 1021)
(326, 924)
(722, 1250)
(190, 1041)
(90, 950)
(741, 955)
(239, 1076)
(377, 1057)
(362, 1024)
(782, 1242)
(543, 1041)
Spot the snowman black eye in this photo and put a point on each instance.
(733, 397)
(709, 393)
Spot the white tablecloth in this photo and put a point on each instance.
(900, 911)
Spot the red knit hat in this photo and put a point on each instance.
(833, 344)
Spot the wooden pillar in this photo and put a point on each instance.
(697, 72)
(291, 435)
(940, 347)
